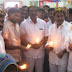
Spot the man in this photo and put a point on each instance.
(69, 42)
(51, 17)
(2, 45)
(11, 34)
(46, 7)
(36, 35)
(70, 14)
(24, 14)
(58, 56)
(1, 20)
(41, 13)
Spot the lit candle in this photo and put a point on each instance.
(37, 40)
(28, 46)
(50, 44)
(6, 35)
(22, 67)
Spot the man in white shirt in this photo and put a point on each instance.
(70, 15)
(36, 35)
(68, 44)
(51, 17)
(58, 56)
(2, 45)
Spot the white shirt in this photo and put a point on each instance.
(68, 40)
(2, 45)
(57, 35)
(49, 23)
(34, 31)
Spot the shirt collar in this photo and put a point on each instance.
(31, 20)
(60, 25)
(10, 23)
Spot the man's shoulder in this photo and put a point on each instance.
(8, 23)
(40, 20)
(25, 21)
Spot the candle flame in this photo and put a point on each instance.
(24, 66)
(28, 46)
(50, 44)
(37, 40)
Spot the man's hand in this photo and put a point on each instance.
(60, 55)
(23, 48)
(70, 47)
(36, 46)
(49, 48)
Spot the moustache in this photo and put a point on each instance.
(60, 20)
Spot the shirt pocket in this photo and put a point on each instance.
(40, 31)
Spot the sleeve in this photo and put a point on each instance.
(22, 28)
(45, 30)
(66, 43)
(2, 45)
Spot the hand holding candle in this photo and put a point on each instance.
(37, 41)
(22, 67)
(49, 46)
(28, 46)
(70, 46)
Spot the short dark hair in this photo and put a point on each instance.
(13, 10)
(46, 6)
(70, 10)
(30, 7)
(51, 9)
(24, 6)
(41, 9)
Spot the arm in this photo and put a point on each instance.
(60, 55)
(12, 47)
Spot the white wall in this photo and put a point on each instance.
(60, 4)
(26, 2)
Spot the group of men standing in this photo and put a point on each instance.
(35, 32)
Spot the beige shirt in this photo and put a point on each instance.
(34, 32)
(11, 32)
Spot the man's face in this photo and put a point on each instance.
(51, 14)
(70, 17)
(24, 14)
(1, 23)
(59, 17)
(14, 17)
(46, 8)
(33, 12)
(40, 14)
